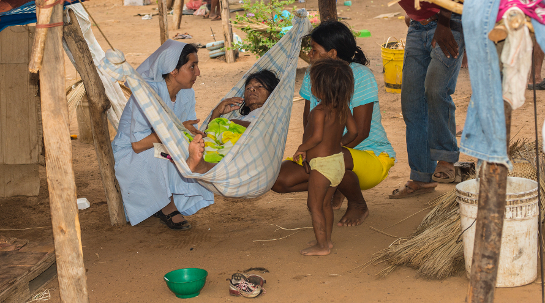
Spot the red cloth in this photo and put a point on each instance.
(426, 9)
(7, 5)
(194, 5)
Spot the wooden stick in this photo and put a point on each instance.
(327, 9)
(178, 7)
(43, 16)
(227, 32)
(98, 105)
(450, 5)
(163, 20)
(60, 173)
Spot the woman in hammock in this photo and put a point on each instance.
(152, 186)
(370, 156)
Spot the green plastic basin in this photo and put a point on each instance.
(187, 282)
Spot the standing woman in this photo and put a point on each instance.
(152, 186)
(369, 157)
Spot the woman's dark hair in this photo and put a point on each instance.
(336, 35)
(184, 56)
(267, 78)
(332, 83)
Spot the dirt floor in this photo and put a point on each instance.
(127, 264)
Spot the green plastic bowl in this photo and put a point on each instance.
(187, 282)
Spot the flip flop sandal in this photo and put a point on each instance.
(407, 191)
(240, 285)
(167, 219)
(539, 86)
(446, 171)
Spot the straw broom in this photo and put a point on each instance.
(435, 249)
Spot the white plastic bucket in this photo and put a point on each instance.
(519, 249)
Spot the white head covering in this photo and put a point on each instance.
(162, 61)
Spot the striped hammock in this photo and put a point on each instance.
(251, 167)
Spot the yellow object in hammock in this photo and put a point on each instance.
(221, 136)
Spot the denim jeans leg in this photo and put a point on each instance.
(440, 85)
(413, 102)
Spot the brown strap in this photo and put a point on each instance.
(49, 5)
(48, 25)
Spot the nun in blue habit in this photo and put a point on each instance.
(152, 186)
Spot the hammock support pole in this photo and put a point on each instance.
(60, 172)
(489, 222)
(43, 16)
(163, 20)
(327, 9)
(227, 32)
(178, 6)
(98, 105)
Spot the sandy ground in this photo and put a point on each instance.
(126, 264)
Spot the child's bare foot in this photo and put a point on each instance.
(355, 214)
(314, 242)
(337, 201)
(195, 161)
(316, 250)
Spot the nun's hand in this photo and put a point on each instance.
(189, 125)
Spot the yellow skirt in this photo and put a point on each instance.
(369, 168)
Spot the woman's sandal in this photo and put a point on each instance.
(407, 191)
(447, 175)
(167, 219)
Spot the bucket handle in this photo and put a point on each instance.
(459, 236)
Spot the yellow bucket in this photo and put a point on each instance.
(392, 60)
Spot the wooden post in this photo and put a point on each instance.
(43, 16)
(98, 105)
(488, 231)
(163, 20)
(489, 225)
(60, 173)
(227, 32)
(327, 9)
(178, 6)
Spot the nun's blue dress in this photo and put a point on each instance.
(146, 182)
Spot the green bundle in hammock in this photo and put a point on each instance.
(221, 135)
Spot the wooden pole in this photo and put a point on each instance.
(178, 6)
(227, 32)
(327, 9)
(60, 173)
(163, 20)
(98, 105)
(43, 16)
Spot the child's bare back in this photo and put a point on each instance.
(332, 83)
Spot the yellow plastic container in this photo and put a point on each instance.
(392, 62)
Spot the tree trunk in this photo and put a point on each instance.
(60, 173)
(327, 9)
(98, 105)
(163, 20)
(227, 32)
(178, 6)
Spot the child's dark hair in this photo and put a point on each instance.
(336, 35)
(332, 83)
(267, 78)
(184, 56)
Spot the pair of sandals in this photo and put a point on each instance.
(410, 189)
(248, 286)
(167, 219)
